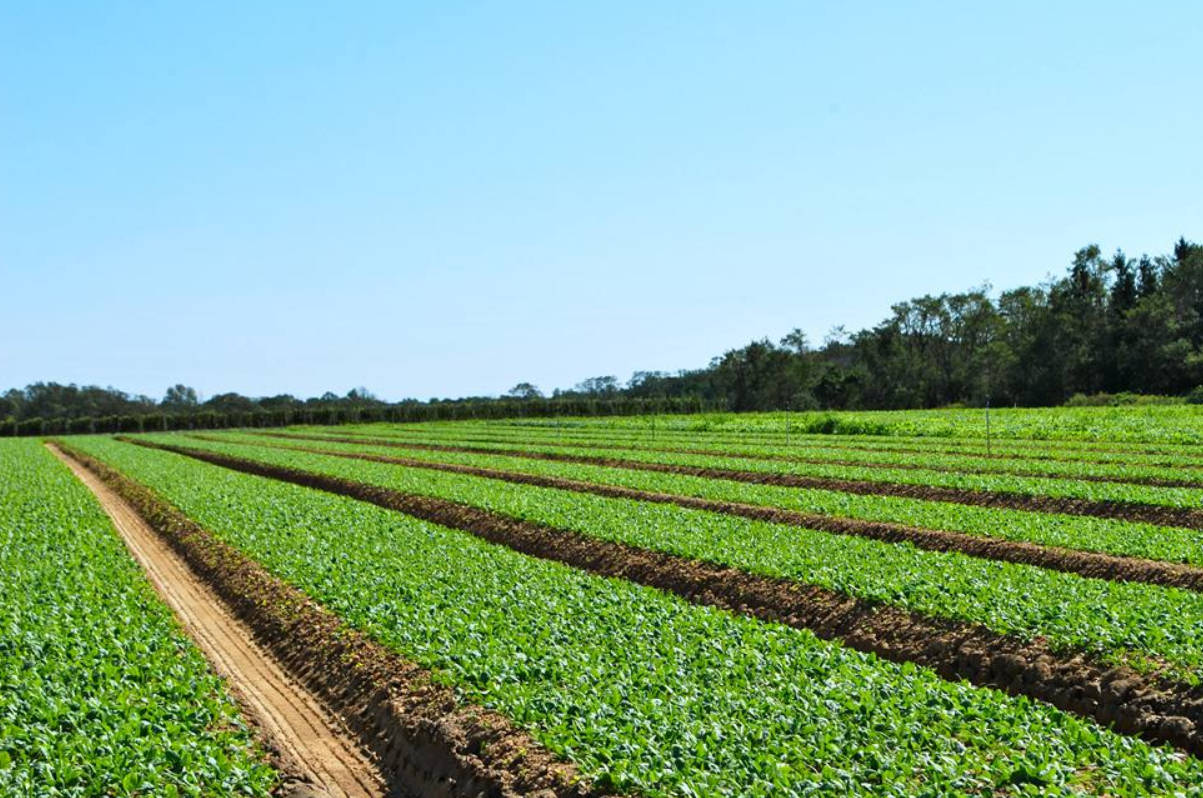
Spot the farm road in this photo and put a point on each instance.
(310, 744)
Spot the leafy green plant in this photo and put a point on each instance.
(1086, 533)
(100, 691)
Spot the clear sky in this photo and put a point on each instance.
(440, 199)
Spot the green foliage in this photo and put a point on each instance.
(1155, 424)
(644, 691)
(1123, 399)
(100, 691)
(1075, 532)
(910, 473)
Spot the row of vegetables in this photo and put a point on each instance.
(1064, 452)
(1085, 533)
(1120, 622)
(1095, 466)
(909, 470)
(101, 693)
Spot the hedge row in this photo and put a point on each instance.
(450, 411)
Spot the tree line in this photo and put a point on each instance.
(54, 409)
(1109, 325)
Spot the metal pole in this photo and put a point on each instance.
(988, 426)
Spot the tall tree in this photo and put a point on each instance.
(179, 397)
(525, 390)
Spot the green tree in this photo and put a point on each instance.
(525, 390)
(179, 398)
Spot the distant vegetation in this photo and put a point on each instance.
(1109, 326)
(1111, 331)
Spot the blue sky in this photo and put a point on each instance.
(439, 199)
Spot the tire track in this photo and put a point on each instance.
(310, 744)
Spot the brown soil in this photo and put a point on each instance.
(310, 747)
(1126, 511)
(425, 741)
(1117, 697)
(1094, 565)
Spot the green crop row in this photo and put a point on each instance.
(1114, 453)
(1110, 536)
(100, 691)
(761, 454)
(1175, 424)
(1120, 622)
(1023, 486)
(644, 691)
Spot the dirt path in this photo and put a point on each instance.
(308, 740)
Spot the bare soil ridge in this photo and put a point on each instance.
(427, 744)
(1128, 702)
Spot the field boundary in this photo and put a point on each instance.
(428, 743)
(1128, 702)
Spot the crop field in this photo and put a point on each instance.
(756, 605)
(100, 692)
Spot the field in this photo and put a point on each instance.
(755, 605)
(100, 692)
